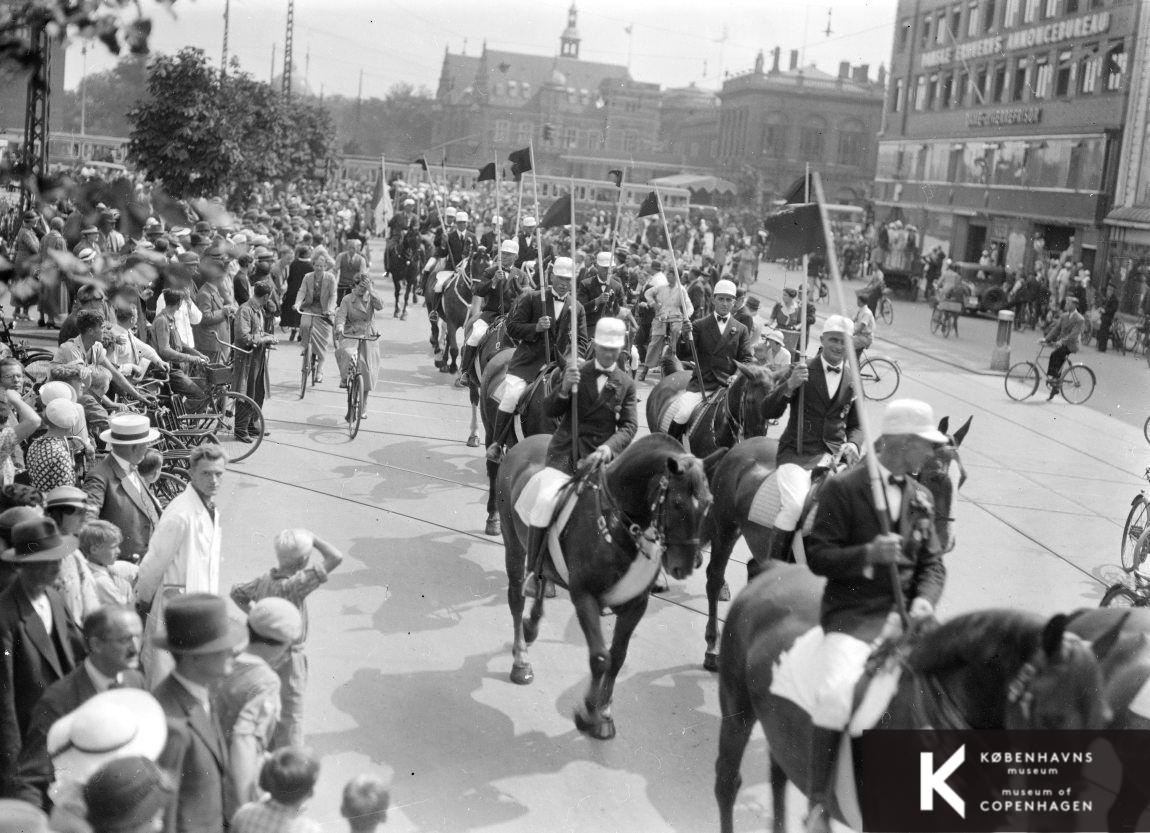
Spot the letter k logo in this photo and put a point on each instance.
(933, 781)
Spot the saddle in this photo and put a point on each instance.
(704, 413)
(766, 502)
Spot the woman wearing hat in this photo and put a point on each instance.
(353, 321)
(317, 297)
(51, 458)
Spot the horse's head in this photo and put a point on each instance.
(943, 475)
(1060, 686)
(749, 393)
(680, 499)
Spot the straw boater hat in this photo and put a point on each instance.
(116, 723)
(129, 429)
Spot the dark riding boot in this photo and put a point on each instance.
(824, 750)
(503, 423)
(466, 359)
(536, 552)
(676, 431)
(779, 548)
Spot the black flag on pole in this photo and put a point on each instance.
(559, 214)
(794, 231)
(616, 177)
(421, 162)
(520, 162)
(487, 173)
(650, 206)
(798, 191)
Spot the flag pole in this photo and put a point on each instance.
(679, 282)
(519, 208)
(878, 493)
(499, 225)
(539, 252)
(618, 213)
(803, 319)
(573, 314)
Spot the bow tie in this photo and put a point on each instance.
(834, 368)
(722, 321)
(895, 480)
(600, 372)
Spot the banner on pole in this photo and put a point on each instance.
(616, 177)
(794, 231)
(520, 162)
(650, 206)
(383, 206)
(422, 163)
(559, 214)
(487, 173)
(799, 189)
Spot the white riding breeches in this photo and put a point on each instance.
(441, 279)
(536, 503)
(839, 665)
(683, 405)
(509, 392)
(794, 484)
(432, 262)
(479, 329)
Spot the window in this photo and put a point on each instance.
(1010, 13)
(981, 74)
(1064, 74)
(896, 96)
(1018, 82)
(523, 134)
(1051, 8)
(852, 147)
(972, 21)
(1043, 73)
(988, 13)
(570, 137)
(502, 130)
(1030, 10)
(630, 141)
(931, 92)
(945, 90)
(1115, 66)
(513, 89)
(1089, 68)
(942, 33)
(998, 88)
(775, 140)
(811, 141)
(961, 89)
(920, 93)
(954, 162)
(904, 34)
(525, 89)
(927, 29)
(955, 21)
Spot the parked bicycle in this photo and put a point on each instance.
(944, 318)
(356, 390)
(34, 359)
(886, 307)
(1134, 549)
(879, 375)
(1075, 383)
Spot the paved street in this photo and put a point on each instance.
(410, 642)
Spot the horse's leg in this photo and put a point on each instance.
(778, 797)
(737, 721)
(758, 540)
(591, 717)
(723, 538)
(515, 560)
(494, 525)
(397, 282)
(473, 436)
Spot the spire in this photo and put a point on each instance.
(569, 40)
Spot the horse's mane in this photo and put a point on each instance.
(659, 447)
(998, 638)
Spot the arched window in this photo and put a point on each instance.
(812, 139)
(852, 143)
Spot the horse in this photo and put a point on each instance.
(532, 419)
(402, 261)
(494, 340)
(736, 481)
(454, 304)
(645, 508)
(735, 413)
(991, 669)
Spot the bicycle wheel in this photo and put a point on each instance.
(235, 410)
(1119, 595)
(1131, 533)
(306, 369)
(168, 487)
(1132, 340)
(1022, 381)
(886, 310)
(880, 378)
(1146, 429)
(936, 321)
(1077, 383)
(1118, 337)
(354, 405)
(947, 325)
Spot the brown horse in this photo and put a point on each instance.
(402, 259)
(737, 479)
(649, 505)
(454, 304)
(735, 414)
(970, 662)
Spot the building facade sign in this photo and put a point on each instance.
(1004, 116)
(1045, 35)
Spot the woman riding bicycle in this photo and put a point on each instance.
(316, 296)
(353, 322)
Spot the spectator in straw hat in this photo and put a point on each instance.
(128, 795)
(116, 493)
(27, 421)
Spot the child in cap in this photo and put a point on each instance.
(365, 803)
(293, 578)
(113, 579)
(288, 776)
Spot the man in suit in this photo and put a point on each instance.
(720, 341)
(204, 643)
(543, 329)
(500, 285)
(829, 416)
(848, 547)
(112, 637)
(39, 643)
(608, 421)
(1065, 334)
(116, 492)
(600, 292)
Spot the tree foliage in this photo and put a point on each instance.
(111, 94)
(203, 133)
(398, 125)
(115, 23)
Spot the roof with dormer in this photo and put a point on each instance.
(513, 78)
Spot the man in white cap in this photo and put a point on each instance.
(608, 421)
(829, 417)
(600, 292)
(720, 342)
(848, 547)
(494, 233)
(459, 245)
(405, 220)
(544, 312)
(499, 287)
(527, 248)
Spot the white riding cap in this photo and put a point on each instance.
(497, 220)
(838, 324)
(911, 416)
(563, 268)
(610, 332)
(450, 212)
(409, 201)
(529, 222)
(510, 246)
(603, 259)
(726, 288)
(461, 217)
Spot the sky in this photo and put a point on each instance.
(672, 42)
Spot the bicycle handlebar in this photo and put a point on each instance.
(375, 337)
(216, 336)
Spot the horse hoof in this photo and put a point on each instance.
(710, 662)
(522, 674)
(403, 316)
(443, 368)
(601, 730)
(725, 592)
(473, 441)
(493, 527)
(396, 313)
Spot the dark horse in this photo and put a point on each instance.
(958, 676)
(736, 481)
(533, 419)
(649, 504)
(454, 304)
(494, 340)
(733, 415)
(402, 260)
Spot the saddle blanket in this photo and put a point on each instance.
(441, 279)
(766, 502)
(794, 678)
(537, 502)
(684, 404)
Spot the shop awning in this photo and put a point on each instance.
(1129, 216)
(697, 182)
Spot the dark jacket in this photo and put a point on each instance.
(206, 799)
(30, 661)
(827, 423)
(460, 247)
(111, 499)
(609, 418)
(499, 288)
(599, 299)
(845, 522)
(529, 356)
(718, 351)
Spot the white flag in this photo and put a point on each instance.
(383, 207)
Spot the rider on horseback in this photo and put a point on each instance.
(859, 601)
(402, 222)
(830, 425)
(494, 233)
(599, 292)
(540, 320)
(459, 245)
(526, 240)
(722, 341)
(608, 421)
(499, 287)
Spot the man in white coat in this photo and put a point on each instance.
(183, 553)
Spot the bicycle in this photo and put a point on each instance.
(1134, 549)
(879, 376)
(1076, 382)
(1138, 337)
(310, 365)
(356, 396)
(1146, 429)
(26, 355)
(886, 308)
(944, 318)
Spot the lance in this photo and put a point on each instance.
(499, 225)
(679, 281)
(618, 213)
(573, 315)
(803, 322)
(539, 253)
(519, 207)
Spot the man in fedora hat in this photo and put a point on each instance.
(116, 492)
(39, 643)
(204, 643)
(848, 547)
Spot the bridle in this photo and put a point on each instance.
(613, 522)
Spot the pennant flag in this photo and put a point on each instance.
(421, 162)
(798, 191)
(559, 214)
(520, 162)
(382, 199)
(794, 231)
(487, 172)
(650, 205)
(616, 177)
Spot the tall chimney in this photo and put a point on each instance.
(794, 63)
(861, 72)
(775, 59)
(882, 75)
(844, 69)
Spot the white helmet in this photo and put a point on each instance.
(725, 287)
(461, 217)
(563, 267)
(529, 222)
(510, 246)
